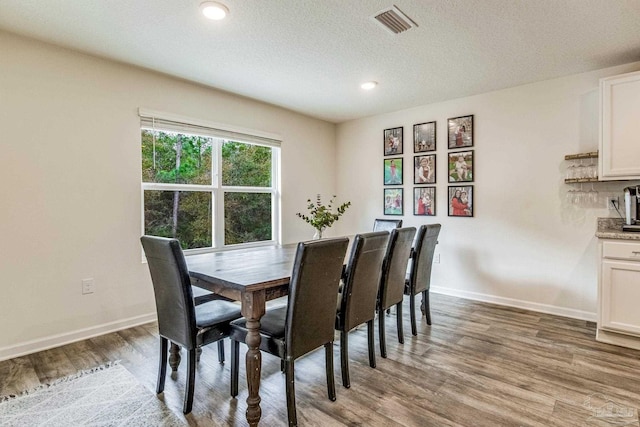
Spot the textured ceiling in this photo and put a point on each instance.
(311, 55)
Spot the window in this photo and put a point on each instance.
(208, 187)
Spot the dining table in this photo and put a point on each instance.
(252, 276)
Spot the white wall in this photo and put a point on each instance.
(71, 199)
(526, 246)
(70, 167)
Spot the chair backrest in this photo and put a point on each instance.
(360, 291)
(312, 295)
(172, 289)
(386, 224)
(425, 246)
(394, 267)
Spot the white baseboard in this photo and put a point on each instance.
(81, 334)
(46, 343)
(621, 340)
(510, 302)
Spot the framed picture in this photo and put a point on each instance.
(393, 171)
(393, 201)
(460, 130)
(424, 169)
(424, 137)
(424, 201)
(392, 141)
(461, 166)
(461, 200)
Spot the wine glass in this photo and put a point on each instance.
(593, 169)
(580, 171)
(579, 196)
(570, 196)
(571, 171)
(592, 196)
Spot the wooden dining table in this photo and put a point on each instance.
(252, 276)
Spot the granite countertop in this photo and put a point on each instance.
(611, 228)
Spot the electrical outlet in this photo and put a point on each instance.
(613, 202)
(88, 286)
(436, 258)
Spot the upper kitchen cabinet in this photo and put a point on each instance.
(620, 127)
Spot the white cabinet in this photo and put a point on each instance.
(619, 127)
(619, 287)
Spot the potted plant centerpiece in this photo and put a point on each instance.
(321, 216)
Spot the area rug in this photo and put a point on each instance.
(107, 396)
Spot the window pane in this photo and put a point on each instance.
(179, 158)
(247, 217)
(185, 215)
(246, 165)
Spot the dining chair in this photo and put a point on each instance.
(419, 277)
(200, 296)
(392, 280)
(386, 224)
(380, 224)
(306, 322)
(179, 319)
(358, 297)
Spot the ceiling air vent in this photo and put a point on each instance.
(394, 20)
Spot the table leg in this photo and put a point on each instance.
(174, 356)
(253, 307)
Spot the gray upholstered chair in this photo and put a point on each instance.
(386, 224)
(200, 296)
(394, 270)
(179, 319)
(419, 277)
(306, 323)
(358, 298)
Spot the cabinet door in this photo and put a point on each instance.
(620, 127)
(620, 297)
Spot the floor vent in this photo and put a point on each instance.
(394, 20)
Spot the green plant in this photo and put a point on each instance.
(321, 216)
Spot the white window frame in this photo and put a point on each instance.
(220, 134)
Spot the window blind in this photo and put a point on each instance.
(155, 121)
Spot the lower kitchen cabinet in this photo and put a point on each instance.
(619, 292)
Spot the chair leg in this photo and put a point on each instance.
(427, 306)
(331, 383)
(412, 314)
(235, 360)
(174, 356)
(399, 322)
(282, 367)
(198, 354)
(221, 351)
(289, 373)
(191, 379)
(382, 335)
(344, 358)
(371, 344)
(162, 367)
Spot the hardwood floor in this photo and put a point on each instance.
(477, 365)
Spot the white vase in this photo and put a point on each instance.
(318, 234)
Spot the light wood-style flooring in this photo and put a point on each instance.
(478, 365)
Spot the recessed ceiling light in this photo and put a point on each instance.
(369, 85)
(214, 10)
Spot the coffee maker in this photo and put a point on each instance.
(632, 209)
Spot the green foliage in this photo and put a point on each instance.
(195, 158)
(194, 216)
(247, 217)
(246, 165)
(321, 216)
(187, 215)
